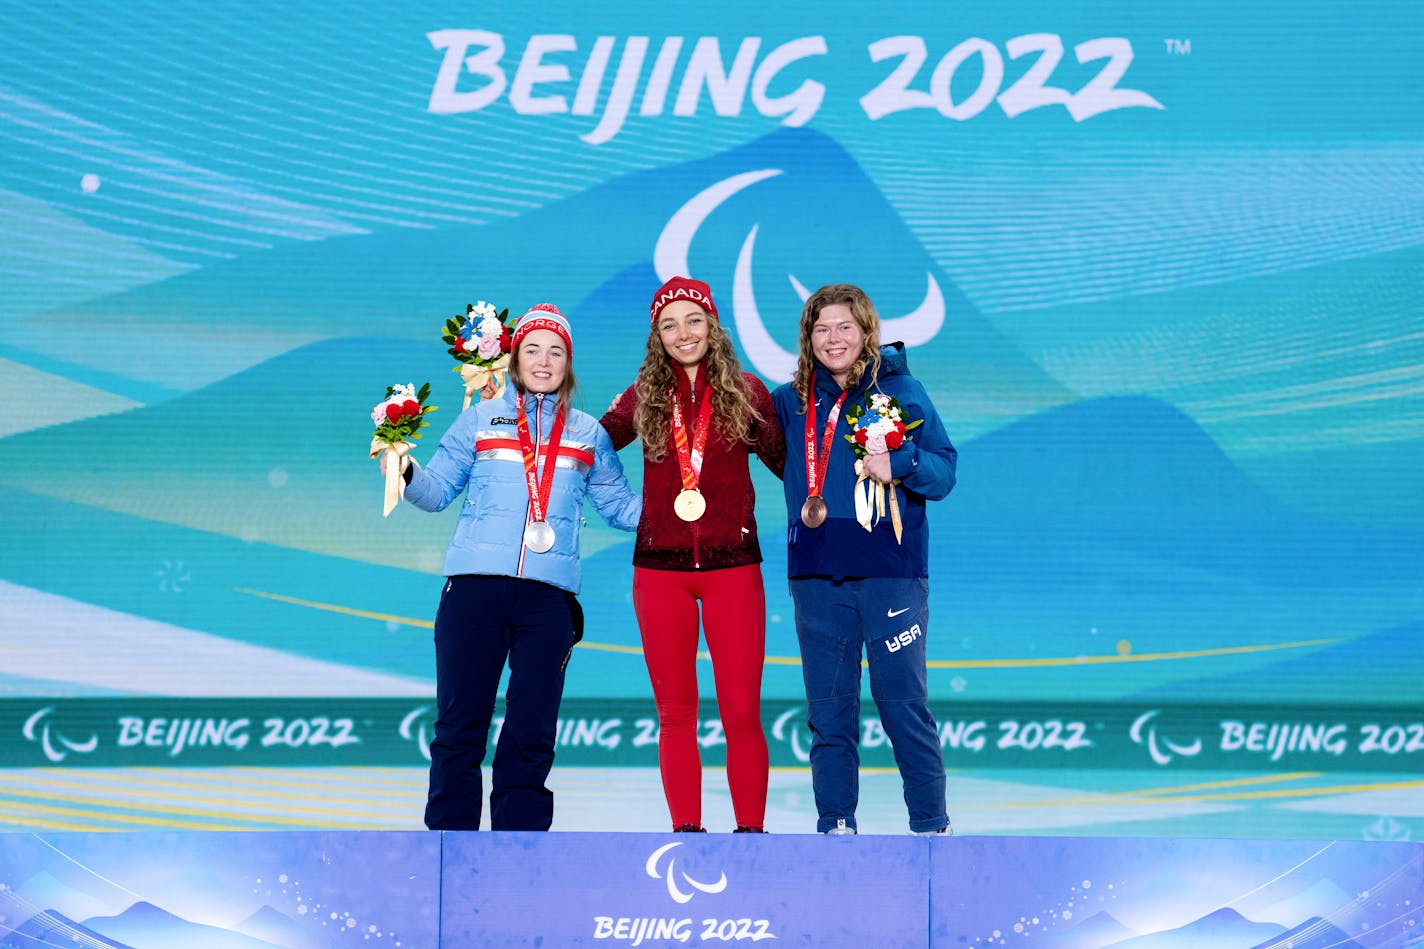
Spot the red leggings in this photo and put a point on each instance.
(734, 619)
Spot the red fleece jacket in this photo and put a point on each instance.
(726, 535)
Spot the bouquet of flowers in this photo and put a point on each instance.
(399, 419)
(481, 342)
(877, 426)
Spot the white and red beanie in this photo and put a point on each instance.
(683, 288)
(545, 316)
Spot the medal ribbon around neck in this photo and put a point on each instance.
(816, 472)
(540, 488)
(689, 460)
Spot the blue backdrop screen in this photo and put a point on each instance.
(1158, 266)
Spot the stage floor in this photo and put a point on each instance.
(1097, 802)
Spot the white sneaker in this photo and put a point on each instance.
(841, 829)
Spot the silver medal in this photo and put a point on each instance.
(538, 536)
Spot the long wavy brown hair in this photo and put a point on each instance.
(731, 397)
(864, 312)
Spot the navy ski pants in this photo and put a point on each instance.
(484, 621)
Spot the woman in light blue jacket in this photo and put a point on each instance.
(527, 458)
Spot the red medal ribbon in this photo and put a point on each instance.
(540, 488)
(689, 461)
(816, 473)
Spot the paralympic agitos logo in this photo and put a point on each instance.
(55, 744)
(670, 258)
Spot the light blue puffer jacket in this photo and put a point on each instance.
(481, 451)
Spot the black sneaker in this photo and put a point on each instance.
(689, 829)
(743, 829)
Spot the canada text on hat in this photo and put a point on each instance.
(545, 316)
(682, 288)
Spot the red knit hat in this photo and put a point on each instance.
(683, 288)
(545, 316)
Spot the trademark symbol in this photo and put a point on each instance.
(1178, 47)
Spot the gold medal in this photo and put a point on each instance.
(538, 536)
(689, 504)
(813, 512)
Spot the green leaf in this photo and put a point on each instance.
(424, 393)
(915, 424)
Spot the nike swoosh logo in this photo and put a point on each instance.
(894, 613)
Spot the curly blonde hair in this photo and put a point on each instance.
(730, 394)
(864, 312)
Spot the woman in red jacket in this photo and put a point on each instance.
(697, 542)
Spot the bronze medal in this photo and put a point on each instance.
(813, 512)
(538, 536)
(690, 505)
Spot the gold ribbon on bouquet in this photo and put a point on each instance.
(871, 503)
(395, 465)
(476, 376)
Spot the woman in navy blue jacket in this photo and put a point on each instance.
(528, 459)
(861, 582)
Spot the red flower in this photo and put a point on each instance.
(505, 340)
(459, 344)
(410, 407)
(860, 436)
(894, 438)
(393, 412)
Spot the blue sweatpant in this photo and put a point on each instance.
(484, 621)
(887, 617)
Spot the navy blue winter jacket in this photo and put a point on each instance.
(924, 463)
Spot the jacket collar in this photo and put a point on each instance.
(689, 391)
(531, 400)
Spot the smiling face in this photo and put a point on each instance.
(543, 361)
(837, 340)
(683, 327)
